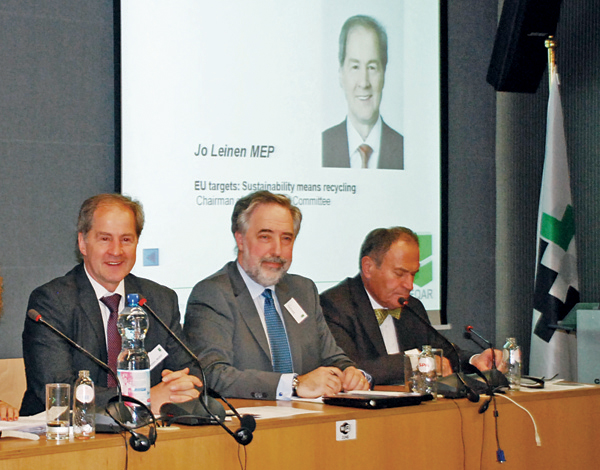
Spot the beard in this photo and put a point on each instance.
(265, 276)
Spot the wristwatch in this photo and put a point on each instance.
(295, 385)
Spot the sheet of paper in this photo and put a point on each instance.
(268, 412)
(558, 385)
(35, 423)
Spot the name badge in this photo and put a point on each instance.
(157, 355)
(296, 311)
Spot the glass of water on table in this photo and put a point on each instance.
(58, 411)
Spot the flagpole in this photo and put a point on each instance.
(550, 44)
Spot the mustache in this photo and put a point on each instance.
(274, 259)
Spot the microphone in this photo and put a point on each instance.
(452, 390)
(470, 329)
(108, 424)
(242, 436)
(496, 378)
(37, 317)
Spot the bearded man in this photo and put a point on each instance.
(258, 331)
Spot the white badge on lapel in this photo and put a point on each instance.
(296, 311)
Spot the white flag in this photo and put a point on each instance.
(556, 282)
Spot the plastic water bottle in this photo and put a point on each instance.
(428, 372)
(511, 356)
(133, 363)
(84, 407)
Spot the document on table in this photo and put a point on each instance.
(557, 385)
(32, 425)
(268, 412)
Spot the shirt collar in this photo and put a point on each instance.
(102, 291)
(254, 287)
(374, 303)
(373, 139)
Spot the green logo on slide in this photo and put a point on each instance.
(425, 274)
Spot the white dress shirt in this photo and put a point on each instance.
(284, 388)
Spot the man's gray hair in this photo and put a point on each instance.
(368, 23)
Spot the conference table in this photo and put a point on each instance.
(445, 434)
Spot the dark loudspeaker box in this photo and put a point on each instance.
(520, 56)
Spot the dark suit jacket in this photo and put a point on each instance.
(69, 303)
(336, 154)
(225, 331)
(352, 322)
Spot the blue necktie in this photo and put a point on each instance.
(280, 348)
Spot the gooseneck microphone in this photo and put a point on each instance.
(243, 435)
(138, 441)
(37, 317)
(471, 394)
(496, 378)
(470, 329)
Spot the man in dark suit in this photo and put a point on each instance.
(369, 323)
(259, 331)
(109, 227)
(363, 140)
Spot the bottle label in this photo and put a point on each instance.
(84, 393)
(426, 364)
(511, 356)
(517, 355)
(136, 384)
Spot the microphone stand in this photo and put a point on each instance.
(243, 435)
(203, 396)
(496, 378)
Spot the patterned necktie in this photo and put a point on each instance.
(382, 313)
(112, 334)
(365, 153)
(280, 348)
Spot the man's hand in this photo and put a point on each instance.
(354, 379)
(446, 367)
(7, 412)
(176, 387)
(324, 381)
(484, 360)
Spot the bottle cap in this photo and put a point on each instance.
(132, 300)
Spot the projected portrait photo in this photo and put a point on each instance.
(363, 139)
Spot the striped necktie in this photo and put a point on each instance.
(280, 348)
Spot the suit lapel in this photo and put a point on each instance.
(132, 287)
(385, 157)
(292, 327)
(367, 315)
(88, 303)
(247, 308)
(343, 157)
(390, 156)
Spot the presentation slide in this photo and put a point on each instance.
(220, 99)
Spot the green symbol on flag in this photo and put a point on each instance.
(425, 274)
(557, 231)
